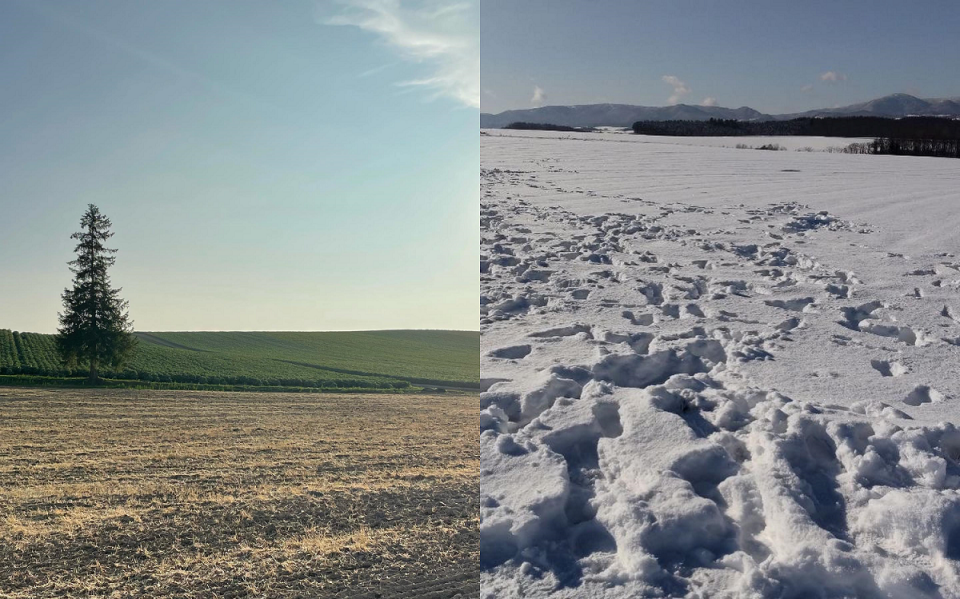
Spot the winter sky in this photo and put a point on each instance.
(773, 55)
(291, 165)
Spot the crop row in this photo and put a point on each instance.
(8, 350)
(35, 354)
(37, 351)
(422, 355)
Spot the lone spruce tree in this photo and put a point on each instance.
(95, 327)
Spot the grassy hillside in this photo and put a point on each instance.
(351, 359)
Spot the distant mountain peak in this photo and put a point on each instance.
(624, 115)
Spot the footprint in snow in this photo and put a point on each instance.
(923, 394)
(887, 368)
(838, 291)
(638, 319)
(794, 305)
(514, 352)
(567, 331)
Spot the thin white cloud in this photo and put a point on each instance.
(375, 70)
(807, 88)
(680, 88)
(437, 33)
(833, 77)
(538, 96)
(709, 101)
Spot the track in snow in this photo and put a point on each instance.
(696, 396)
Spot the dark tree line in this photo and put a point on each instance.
(942, 148)
(933, 128)
(718, 128)
(910, 136)
(547, 127)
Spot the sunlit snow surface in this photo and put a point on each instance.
(717, 372)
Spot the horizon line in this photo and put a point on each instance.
(953, 97)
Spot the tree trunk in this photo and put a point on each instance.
(94, 376)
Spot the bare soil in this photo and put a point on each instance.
(121, 493)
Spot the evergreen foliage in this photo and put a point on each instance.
(95, 328)
(927, 128)
(908, 136)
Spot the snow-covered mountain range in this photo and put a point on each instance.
(624, 115)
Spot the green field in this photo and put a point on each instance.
(364, 359)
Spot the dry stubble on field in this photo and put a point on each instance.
(114, 493)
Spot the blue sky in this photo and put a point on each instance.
(267, 165)
(775, 56)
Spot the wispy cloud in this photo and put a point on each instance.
(437, 33)
(807, 88)
(680, 88)
(538, 96)
(375, 70)
(833, 77)
(709, 101)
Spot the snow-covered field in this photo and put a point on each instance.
(717, 372)
(790, 142)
